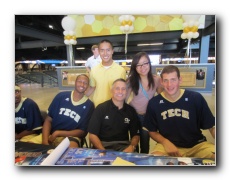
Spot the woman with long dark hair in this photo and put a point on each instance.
(142, 86)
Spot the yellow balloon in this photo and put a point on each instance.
(123, 23)
(186, 30)
(68, 37)
(130, 23)
(194, 29)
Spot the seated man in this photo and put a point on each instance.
(28, 119)
(175, 118)
(114, 124)
(68, 115)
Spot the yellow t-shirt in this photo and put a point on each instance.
(102, 78)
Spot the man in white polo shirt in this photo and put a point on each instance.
(93, 60)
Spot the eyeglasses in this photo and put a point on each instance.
(142, 65)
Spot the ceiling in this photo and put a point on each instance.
(32, 35)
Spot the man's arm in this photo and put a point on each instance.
(95, 141)
(133, 144)
(71, 133)
(46, 128)
(89, 91)
(22, 134)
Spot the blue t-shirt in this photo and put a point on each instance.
(181, 121)
(67, 115)
(28, 117)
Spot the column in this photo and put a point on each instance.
(70, 58)
(204, 49)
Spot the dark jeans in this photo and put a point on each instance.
(144, 137)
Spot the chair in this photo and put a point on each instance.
(137, 148)
(84, 142)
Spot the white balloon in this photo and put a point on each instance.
(71, 33)
(68, 23)
(127, 17)
(75, 42)
(195, 35)
(183, 36)
(67, 42)
(185, 24)
(122, 28)
(131, 28)
(189, 35)
(191, 23)
(65, 33)
(187, 18)
(121, 18)
(132, 18)
(72, 41)
(126, 28)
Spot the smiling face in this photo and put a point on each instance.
(119, 91)
(106, 53)
(81, 83)
(171, 84)
(143, 66)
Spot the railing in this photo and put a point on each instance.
(37, 78)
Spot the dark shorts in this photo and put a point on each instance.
(116, 145)
(75, 139)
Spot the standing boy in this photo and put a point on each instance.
(103, 75)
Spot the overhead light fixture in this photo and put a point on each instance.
(79, 48)
(44, 48)
(150, 44)
(51, 26)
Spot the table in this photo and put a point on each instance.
(28, 154)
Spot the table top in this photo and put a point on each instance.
(28, 154)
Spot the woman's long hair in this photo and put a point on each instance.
(134, 77)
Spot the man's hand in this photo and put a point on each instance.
(171, 149)
(129, 149)
(53, 136)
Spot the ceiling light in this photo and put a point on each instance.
(51, 27)
(78, 48)
(150, 44)
(44, 48)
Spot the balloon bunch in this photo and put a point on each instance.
(190, 26)
(126, 26)
(126, 23)
(69, 25)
